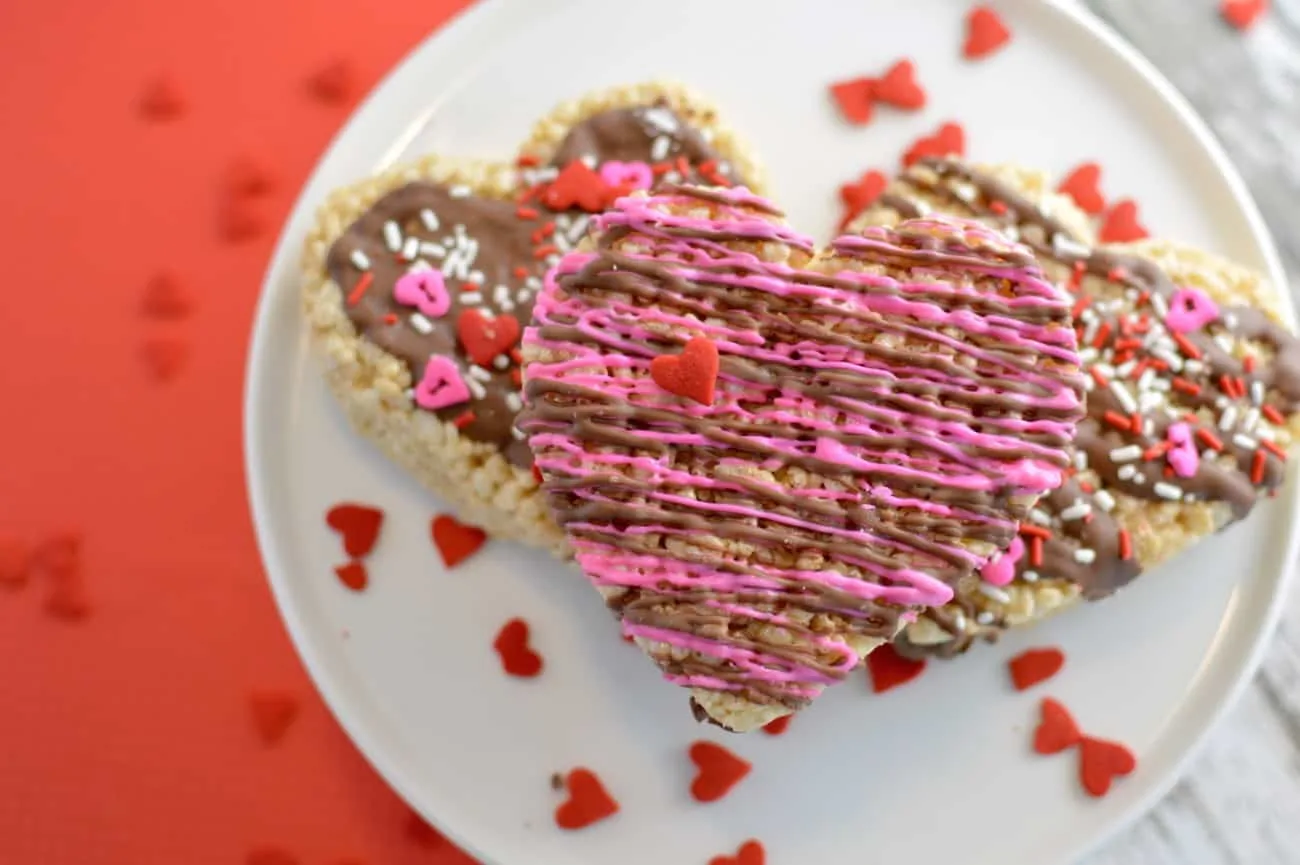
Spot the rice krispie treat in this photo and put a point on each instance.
(1194, 382)
(418, 282)
(767, 458)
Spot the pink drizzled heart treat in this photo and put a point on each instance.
(839, 439)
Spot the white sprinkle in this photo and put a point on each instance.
(1104, 500)
(1163, 385)
(959, 620)
(1167, 491)
(1125, 398)
(475, 276)
(1148, 400)
(1076, 511)
(392, 236)
(1139, 478)
(513, 402)
(552, 260)
(964, 191)
(501, 362)
(1257, 392)
(432, 250)
(429, 218)
(1245, 442)
(1160, 305)
(1250, 420)
(478, 372)
(1230, 321)
(1126, 454)
(1126, 473)
(473, 298)
(411, 248)
(1106, 370)
(1088, 384)
(1029, 576)
(1081, 460)
(985, 618)
(995, 593)
(449, 241)
(1088, 355)
(659, 149)
(1012, 233)
(500, 293)
(522, 295)
(458, 229)
(1085, 556)
(1175, 362)
(1131, 295)
(1193, 367)
(1065, 247)
(578, 228)
(1228, 419)
(517, 433)
(922, 207)
(1221, 402)
(1091, 326)
(359, 260)
(475, 388)
(1144, 380)
(660, 118)
(420, 323)
(471, 252)
(588, 159)
(1124, 369)
(1265, 434)
(1040, 516)
(1223, 342)
(533, 283)
(459, 191)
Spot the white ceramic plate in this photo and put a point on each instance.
(938, 771)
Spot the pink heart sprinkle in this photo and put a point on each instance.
(424, 290)
(441, 386)
(1190, 309)
(1183, 456)
(1001, 570)
(636, 175)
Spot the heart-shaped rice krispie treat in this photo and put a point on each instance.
(767, 457)
(418, 282)
(1194, 385)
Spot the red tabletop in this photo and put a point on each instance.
(126, 728)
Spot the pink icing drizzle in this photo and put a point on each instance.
(1001, 570)
(614, 354)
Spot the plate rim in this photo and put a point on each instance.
(283, 263)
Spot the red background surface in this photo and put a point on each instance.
(127, 737)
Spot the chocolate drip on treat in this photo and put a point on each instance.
(616, 510)
(1192, 372)
(492, 254)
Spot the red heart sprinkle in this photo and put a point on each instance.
(248, 178)
(353, 575)
(577, 185)
(1242, 14)
(15, 562)
(750, 853)
(693, 374)
(777, 726)
(269, 856)
(537, 475)
(484, 338)
(273, 714)
(1121, 224)
(588, 801)
(719, 771)
(855, 98)
(1035, 665)
(334, 83)
(858, 196)
(456, 541)
(1101, 762)
(358, 524)
(237, 222)
(165, 298)
(1083, 184)
(517, 659)
(898, 87)
(162, 100)
(985, 33)
(419, 831)
(1057, 729)
(949, 140)
(164, 357)
(888, 669)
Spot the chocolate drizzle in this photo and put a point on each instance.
(1190, 378)
(844, 475)
(492, 254)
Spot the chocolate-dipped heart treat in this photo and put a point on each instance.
(1193, 389)
(418, 282)
(768, 457)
